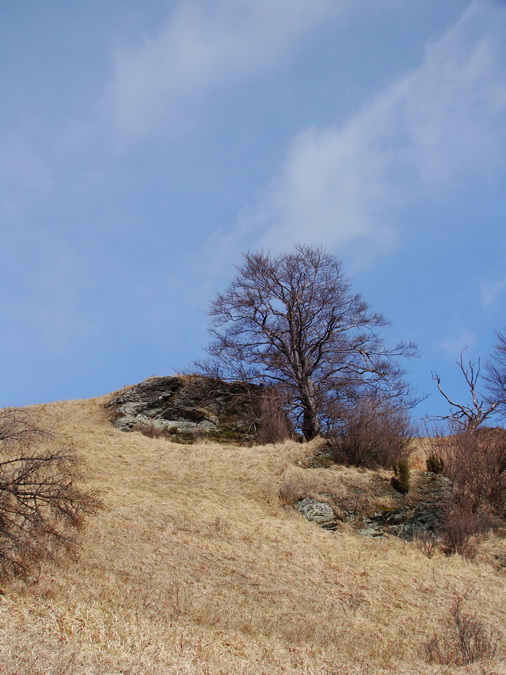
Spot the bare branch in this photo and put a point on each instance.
(40, 504)
(495, 377)
(292, 319)
(466, 416)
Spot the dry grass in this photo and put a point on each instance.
(198, 566)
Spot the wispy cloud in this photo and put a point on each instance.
(456, 343)
(344, 185)
(198, 49)
(491, 291)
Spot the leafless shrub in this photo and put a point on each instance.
(475, 462)
(461, 529)
(461, 640)
(426, 542)
(273, 423)
(40, 505)
(372, 435)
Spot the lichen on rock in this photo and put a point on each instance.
(317, 512)
(187, 405)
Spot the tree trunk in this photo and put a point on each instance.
(310, 420)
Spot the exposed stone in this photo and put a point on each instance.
(404, 522)
(417, 514)
(322, 459)
(186, 405)
(421, 513)
(317, 512)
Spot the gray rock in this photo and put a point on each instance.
(317, 512)
(404, 522)
(187, 405)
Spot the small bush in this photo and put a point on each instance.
(273, 424)
(463, 527)
(402, 479)
(435, 464)
(426, 542)
(461, 640)
(475, 463)
(460, 526)
(371, 435)
(40, 505)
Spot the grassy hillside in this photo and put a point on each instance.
(196, 565)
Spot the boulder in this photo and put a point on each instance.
(317, 512)
(187, 406)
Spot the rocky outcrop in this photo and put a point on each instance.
(405, 523)
(186, 406)
(417, 514)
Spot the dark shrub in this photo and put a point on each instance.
(273, 425)
(435, 464)
(402, 479)
(371, 435)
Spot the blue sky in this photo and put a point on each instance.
(145, 146)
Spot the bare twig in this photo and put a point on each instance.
(40, 504)
(467, 416)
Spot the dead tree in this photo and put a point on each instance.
(467, 416)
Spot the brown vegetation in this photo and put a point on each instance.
(475, 463)
(273, 424)
(197, 566)
(461, 639)
(372, 435)
(40, 504)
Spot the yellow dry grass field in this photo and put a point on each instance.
(198, 565)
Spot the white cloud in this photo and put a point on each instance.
(201, 48)
(455, 344)
(341, 185)
(491, 291)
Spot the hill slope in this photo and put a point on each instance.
(197, 566)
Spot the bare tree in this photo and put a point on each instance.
(495, 377)
(40, 503)
(471, 415)
(292, 321)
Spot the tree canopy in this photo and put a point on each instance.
(293, 321)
